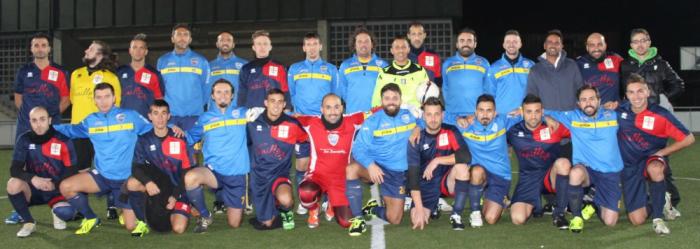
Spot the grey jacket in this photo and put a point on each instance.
(556, 86)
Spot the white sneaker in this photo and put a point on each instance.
(475, 219)
(670, 213)
(660, 227)
(407, 201)
(58, 223)
(329, 214)
(27, 229)
(444, 206)
(301, 210)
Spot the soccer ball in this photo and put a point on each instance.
(426, 90)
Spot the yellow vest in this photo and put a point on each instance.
(82, 87)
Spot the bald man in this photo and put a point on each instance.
(601, 69)
(41, 160)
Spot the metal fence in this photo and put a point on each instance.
(439, 37)
(14, 53)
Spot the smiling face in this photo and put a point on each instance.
(512, 45)
(332, 109)
(363, 45)
(225, 43)
(466, 43)
(553, 45)
(391, 101)
(532, 114)
(595, 45)
(400, 50)
(274, 104)
(638, 95)
(222, 94)
(588, 102)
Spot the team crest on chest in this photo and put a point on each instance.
(55, 149)
(236, 113)
(333, 138)
(194, 61)
(174, 148)
(430, 61)
(97, 79)
(283, 131)
(53, 75)
(120, 117)
(405, 118)
(648, 123)
(273, 70)
(145, 78)
(545, 134)
(443, 140)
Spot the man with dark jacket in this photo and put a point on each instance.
(664, 85)
(663, 81)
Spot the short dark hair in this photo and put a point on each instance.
(433, 101)
(469, 31)
(416, 24)
(102, 86)
(555, 32)
(275, 91)
(141, 37)
(160, 103)
(181, 26)
(312, 35)
(512, 32)
(586, 87)
(635, 78)
(390, 87)
(361, 30)
(486, 98)
(225, 32)
(532, 99)
(639, 31)
(400, 37)
(41, 35)
(222, 81)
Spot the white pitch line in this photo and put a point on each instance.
(686, 178)
(378, 241)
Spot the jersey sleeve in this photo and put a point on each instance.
(204, 77)
(242, 86)
(141, 124)
(291, 82)
(560, 116)
(675, 129)
(341, 87)
(79, 130)
(413, 157)
(333, 71)
(462, 153)
(363, 146)
(19, 82)
(376, 94)
(195, 133)
(490, 84)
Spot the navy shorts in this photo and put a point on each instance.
(231, 189)
(264, 200)
(531, 186)
(185, 123)
(40, 197)
(607, 188)
(431, 191)
(302, 150)
(110, 187)
(497, 188)
(394, 184)
(634, 185)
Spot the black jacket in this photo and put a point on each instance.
(657, 72)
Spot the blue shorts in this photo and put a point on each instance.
(302, 150)
(497, 188)
(394, 185)
(634, 185)
(231, 189)
(531, 185)
(431, 191)
(40, 197)
(110, 187)
(607, 188)
(185, 123)
(264, 199)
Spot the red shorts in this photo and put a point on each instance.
(333, 187)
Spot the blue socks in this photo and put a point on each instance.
(80, 202)
(657, 192)
(19, 202)
(196, 197)
(137, 200)
(354, 193)
(475, 192)
(461, 195)
(64, 213)
(562, 188)
(575, 194)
